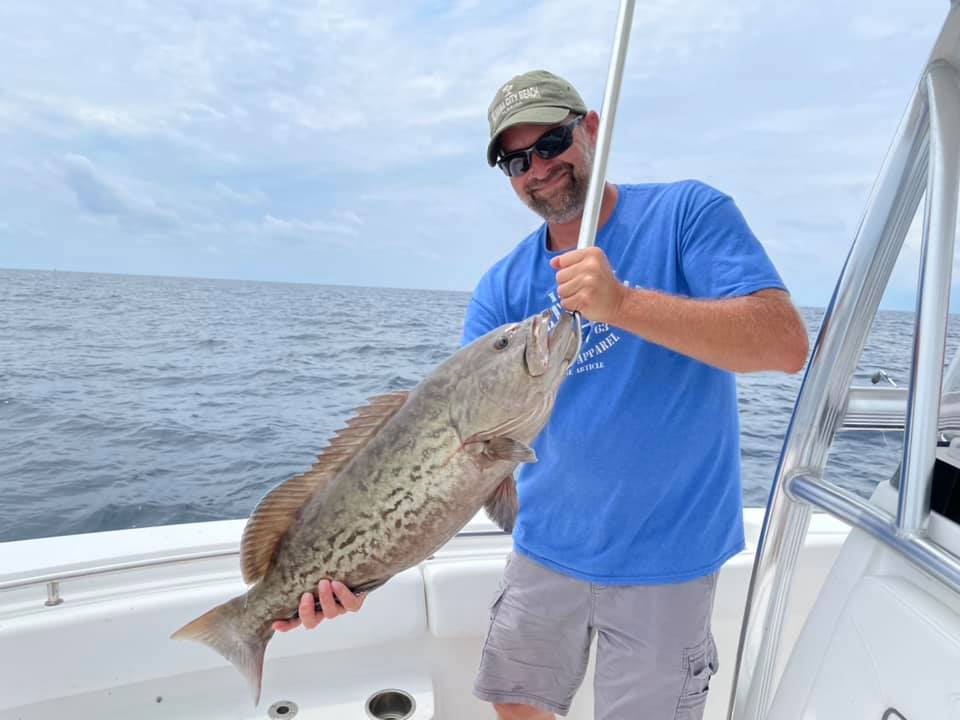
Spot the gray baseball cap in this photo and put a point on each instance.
(538, 97)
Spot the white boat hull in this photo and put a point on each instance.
(105, 650)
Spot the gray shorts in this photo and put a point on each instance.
(655, 652)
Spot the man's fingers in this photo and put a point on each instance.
(308, 611)
(575, 303)
(571, 257)
(334, 599)
(574, 285)
(347, 599)
(591, 266)
(328, 603)
(566, 275)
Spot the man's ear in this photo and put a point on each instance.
(592, 123)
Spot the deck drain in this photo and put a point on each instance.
(390, 705)
(283, 709)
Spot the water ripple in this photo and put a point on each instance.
(133, 401)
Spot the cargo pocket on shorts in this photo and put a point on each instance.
(700, 664)
(494, 607)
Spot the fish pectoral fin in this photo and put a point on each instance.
(502, 506)
(504, 448)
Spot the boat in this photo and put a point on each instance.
(85, 623)
(839, 607)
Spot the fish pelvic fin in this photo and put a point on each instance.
(228, 630)
(503, 505)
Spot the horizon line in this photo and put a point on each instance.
(316, 283)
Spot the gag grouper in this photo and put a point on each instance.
(405, 475)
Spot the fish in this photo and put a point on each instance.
(404, 476)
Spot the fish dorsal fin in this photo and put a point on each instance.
(278, 509)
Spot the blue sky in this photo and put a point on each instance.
(336, 142)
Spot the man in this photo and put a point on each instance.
(635, 502)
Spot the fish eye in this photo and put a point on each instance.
(501, 343)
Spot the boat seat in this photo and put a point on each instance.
(894, 651)
(458, 594)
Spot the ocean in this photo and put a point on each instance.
(131, 401)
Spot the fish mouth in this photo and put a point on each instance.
(557, 346)
(565, 338)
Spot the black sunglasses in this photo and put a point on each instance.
(553, 142)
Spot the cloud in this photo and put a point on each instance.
(279, 81)
(337, 229)
(246, 126)
(100, 196)
(834, 228)
(12, 115)
(253, 197)
(873, 27)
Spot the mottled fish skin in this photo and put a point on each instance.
(405, 494)
(411, 487)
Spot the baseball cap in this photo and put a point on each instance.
(538, 97)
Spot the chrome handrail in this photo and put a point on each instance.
(105, 569)
(933, 298)
(924, 154)
(608, 112)
(854, 511)
(94, 570)
(882, 408)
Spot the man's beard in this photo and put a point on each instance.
(565, 204)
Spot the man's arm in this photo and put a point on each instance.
(762, 331)
(756, 332)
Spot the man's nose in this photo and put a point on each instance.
(539, 168)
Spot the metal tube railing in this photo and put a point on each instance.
(608, 113)
(886, 409)
(846, 506)
(826, 387)
(933, 300)
(878, 408)
(143, 563)
(94, 570)
(822, 402)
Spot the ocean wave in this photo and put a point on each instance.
(145, 401)
(46, 327)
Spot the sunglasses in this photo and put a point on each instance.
(552, 143)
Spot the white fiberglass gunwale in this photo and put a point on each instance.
(88, 555)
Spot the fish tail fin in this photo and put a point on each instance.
(230, 630)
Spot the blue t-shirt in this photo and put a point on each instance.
(638, 478)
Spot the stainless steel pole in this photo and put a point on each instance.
(933, 300)
(821, 404)
(598, 174)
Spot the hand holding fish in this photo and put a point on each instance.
(335, 599)
(586, 284)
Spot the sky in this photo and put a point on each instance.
(343, 142)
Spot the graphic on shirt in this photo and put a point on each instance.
(597, 338)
